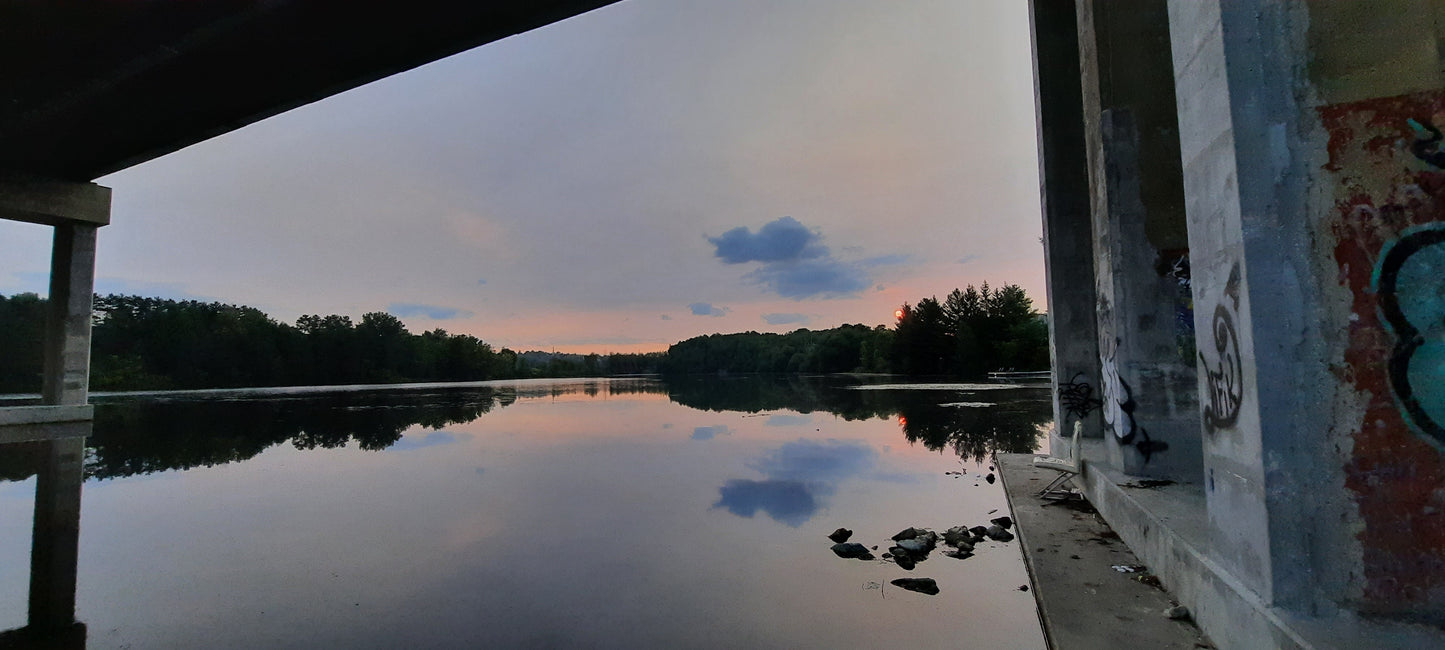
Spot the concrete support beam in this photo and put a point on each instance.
(55, 543)
(67, 326)
(33, 423)
(51, 202)
(1064, 186)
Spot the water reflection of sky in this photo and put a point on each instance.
(591, 525)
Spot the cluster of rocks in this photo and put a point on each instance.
(913, 545)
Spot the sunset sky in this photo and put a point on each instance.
(640, 174)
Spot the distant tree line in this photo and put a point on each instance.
(143, 343)
(972, 332)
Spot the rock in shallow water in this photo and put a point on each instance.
(998, 534)
(904, 561)
(1002, 522)
(957, 535)
(908, 533)
(920, 585)
(841, 535)
(852, 550)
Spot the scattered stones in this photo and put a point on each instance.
(979, 532)
(852, 550)
(1003, 522)
(841, 535)
(904, 561)
(960, 554)
(915, 546)
(957, 535)
(989, 478)
(998, 534)
(1178, 613)
(908, 533)
(1023, 587)
(921, 585)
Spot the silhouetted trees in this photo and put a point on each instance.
(143, 343)
(972, 332)
(848, 348)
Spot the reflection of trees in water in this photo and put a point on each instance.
(975, 433)
(140, 437)
(1011, 425)
(143, 437)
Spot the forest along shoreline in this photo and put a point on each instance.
(147, 343)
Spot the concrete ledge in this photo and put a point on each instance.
(14, 415)
(31, 423)
(1167, 527)
(1084, 603)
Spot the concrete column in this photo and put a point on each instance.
(1064, 186)
(67, 324)
(1145, 322)
(55, 542)
(1314, 185)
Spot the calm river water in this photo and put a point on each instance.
(623, 513)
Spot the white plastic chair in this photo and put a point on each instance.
(1066, 467)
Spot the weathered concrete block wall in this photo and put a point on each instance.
(1140, 244)
(1377, 212)
(1315, 193)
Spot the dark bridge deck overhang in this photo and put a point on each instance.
(94, 87)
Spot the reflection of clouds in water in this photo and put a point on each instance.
(408, 443)
(789, 502)
(783, 420)
(708, 433)
(799, 475)
(817, 461)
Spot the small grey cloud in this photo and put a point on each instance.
(708, 433)
(666, 317)
(434, 312)
(795, 263)
(780, 240)
(893, 259)
(707, 309)
(821, 278)
(968, 258)
(787, 319)
(879, 288)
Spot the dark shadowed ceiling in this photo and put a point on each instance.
(93, 86)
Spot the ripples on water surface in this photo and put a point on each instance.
(593, 513)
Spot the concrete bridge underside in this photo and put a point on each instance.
(95, 87)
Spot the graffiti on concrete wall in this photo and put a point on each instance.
(1119, 406)
(1077, 397)
(1386, 157)
(1224, 377)
(1410, 284)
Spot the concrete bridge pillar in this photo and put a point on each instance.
(1314, 174)
(1140, 245)
(58, 426)
(1064, 186)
